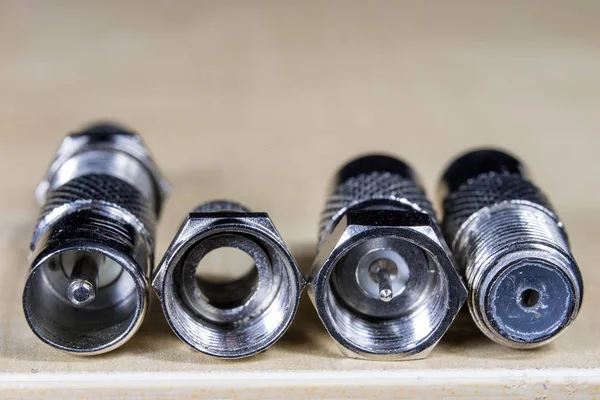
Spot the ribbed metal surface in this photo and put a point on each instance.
(100, 198)
(506, 229)
(394, 224)
(219, 206)
(508, 242)
(103, 188)
(516, 224)
(358, 190)
(484, 191)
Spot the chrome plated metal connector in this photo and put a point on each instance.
(218, 304)
(92, 249)
(524, 285)
(383, 283)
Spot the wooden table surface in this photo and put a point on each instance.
(260, 102)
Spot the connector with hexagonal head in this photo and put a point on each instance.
(222, 310)
(384, 282)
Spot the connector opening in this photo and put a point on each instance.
(227, 277)
(362, 315)
(529, 298)
(65, 316)
(265, 294)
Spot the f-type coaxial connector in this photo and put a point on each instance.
(384, 282)
(227, 283)
(92, 249)
(524, 285)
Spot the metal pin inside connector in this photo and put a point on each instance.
(383, 269)
(83, 282)
(92, 249)
(381, 285)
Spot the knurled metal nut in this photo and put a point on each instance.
(104, 136)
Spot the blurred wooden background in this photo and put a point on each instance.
(261, 102)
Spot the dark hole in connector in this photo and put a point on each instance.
(529, 298)
(227, 277)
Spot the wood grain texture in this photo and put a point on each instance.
(260, 102)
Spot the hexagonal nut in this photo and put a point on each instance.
(408, 335)
(267, 308)
(104, 136)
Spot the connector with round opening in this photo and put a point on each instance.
(93, 246)
(346, 285)
(525, 300)
(529, 298)
(227, 284)
(525, 287)
(226, 277)
(103, 314)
